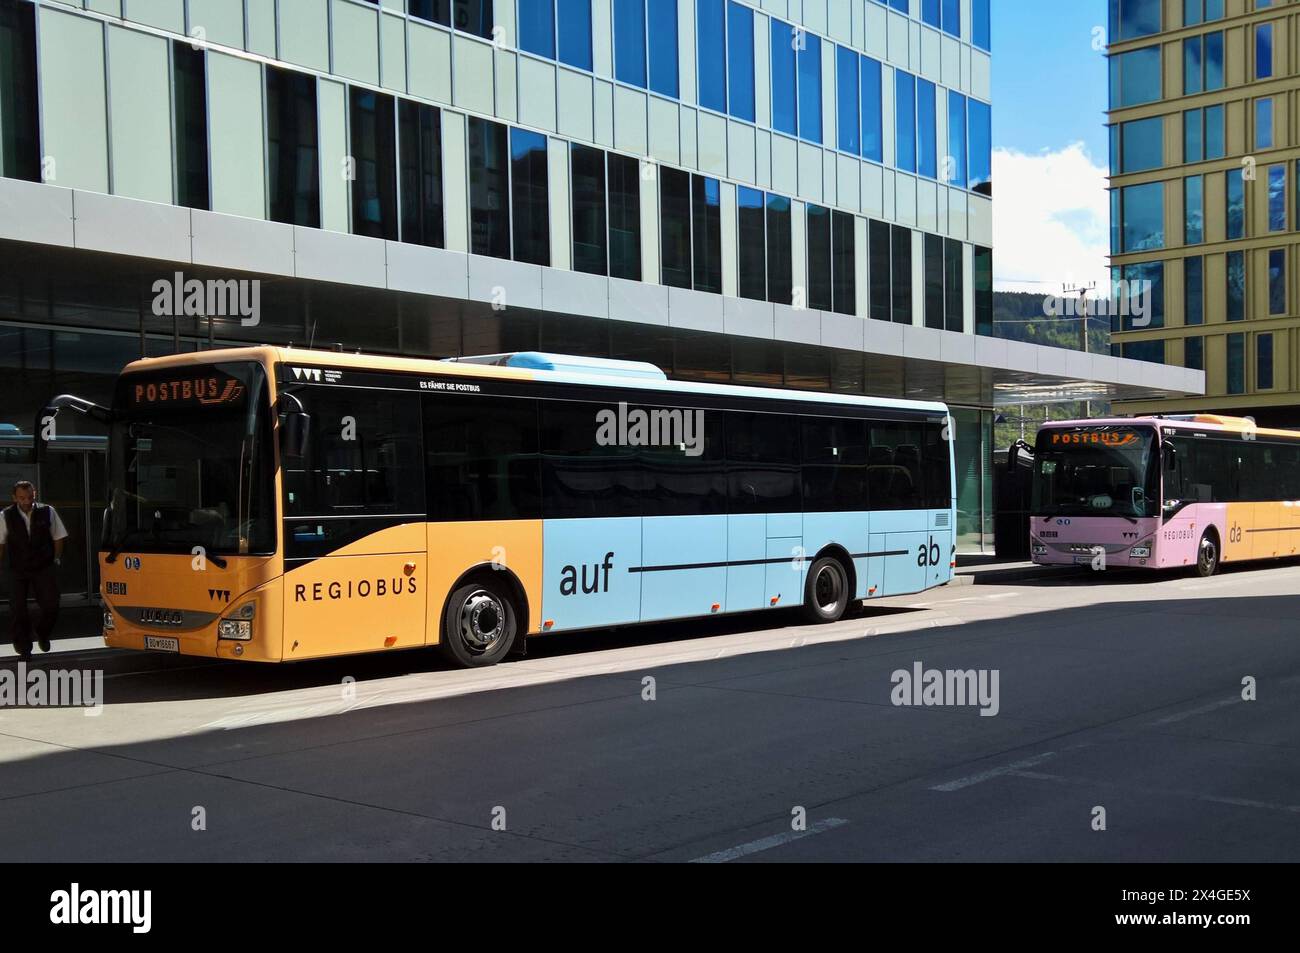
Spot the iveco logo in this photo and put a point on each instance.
(162, 617)
(307, 374)
(1062, 522)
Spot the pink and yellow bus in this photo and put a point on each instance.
(1164, 492)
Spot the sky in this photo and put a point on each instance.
(1051, 215)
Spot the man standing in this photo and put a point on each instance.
(31, 535)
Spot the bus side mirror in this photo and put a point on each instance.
(294, 428)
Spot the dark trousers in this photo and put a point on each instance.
(43, 586)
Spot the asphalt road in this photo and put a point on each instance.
(1115, 691)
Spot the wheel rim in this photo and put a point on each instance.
(828, 588)
(482, 621)
(1209, 554)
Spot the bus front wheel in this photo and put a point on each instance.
(480, 624)
(1207, 555)
(826, 593)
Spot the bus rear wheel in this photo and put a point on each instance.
(826, 592)
(1207, 555)
(480, 624)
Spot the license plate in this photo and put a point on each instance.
(157, 644)
(1084, 560)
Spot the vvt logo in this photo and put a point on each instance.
(307, 374)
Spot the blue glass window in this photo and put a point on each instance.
(1193, 66)
(873, 131)
(981, 25)
(1135, 77)
(629, 42)
(1213, 61)
(930, 12)
(1141, 280)
(846, 100)
(1236, 363)
(537, 27)
(1236, 204)
(740, 43)
(710, 37)
(574, 18)
(784, 104)
(1277, 281)
(1194, 290)
(1277, 198)
(905, 120)
(1264, 358)
(1214, 134)
(981, 147)
(1143, 210)
(1193, 210)
(1133, 18)
(1194, 353)
(810, 87)
(957, 139)
(1264, 123)
(1236, 286)
(1143, 145)
(661, 24)
(1264, 51)
(1194, 135)
(952, 17)
(927, 158)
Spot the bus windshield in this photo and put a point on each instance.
(191, 462)
(1096, 471)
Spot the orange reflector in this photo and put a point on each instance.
(775, 600)
(716, 606)
(548, 623)
(408, 568)
(873, 589)
(390, 641)
(952, 565)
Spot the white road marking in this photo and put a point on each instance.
(767, 843)
(1161, 792)
(1204, 709)
(993, 773)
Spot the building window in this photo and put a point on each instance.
(1135, 77)
(785, 109)
(537, 27)
(489, 189)
(1235, 192)
(1130, 19)
(1264, 123)
(661, 21)
(1277, 198)
(630, 42)
(952, 17)
(983, 274)
(590, 252)
(902, 273)
(20, 148)
(955, 172)
(1194, 353)
(819, 258)
(930, 12)
(1144, 285)
(420, 143)
(740, 68)
(844, 263)
(675, 215)
(1236, 286)
(374, 152)
(1194, 290)
(1142, 217)
(873, 132)
(471, 16)
(810, 86)
(780, 254)
(847, 105)
(706, 215)
(1153, 352)
(1264, 51)
(878, 239)
(933, 267)
(927, 156)
(905, 121)
(530, 197)
(1236, 364)
(711, 46)
(1263, 362)
(954, 285)
(1203, 134)
(646, 29)
(981, 147)
(1277, 281)
(981, 25)
(1202, 63)
(573, 21)
(191, 124)
(1142, 145)
(1193, 210)
(624, 176)
(1201, 11)
(751, 244)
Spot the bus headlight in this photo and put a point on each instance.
(238, 626)
(1039, 549)
(1141, 552)
(108, 620)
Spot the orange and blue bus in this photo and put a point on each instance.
(1193, 490)
(277, 504)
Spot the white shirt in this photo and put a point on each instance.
(57, 529)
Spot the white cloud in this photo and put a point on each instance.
(1051, 220)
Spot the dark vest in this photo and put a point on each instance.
(29, 553)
